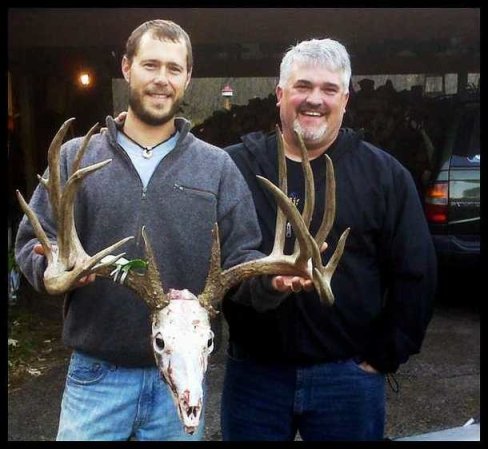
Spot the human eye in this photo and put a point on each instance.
(331, 89)
(301, 87)
(176, 69)
(149, 65)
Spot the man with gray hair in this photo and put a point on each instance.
(298, 365)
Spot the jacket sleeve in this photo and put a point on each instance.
(31, 264)
(240, 237)
(410, 268)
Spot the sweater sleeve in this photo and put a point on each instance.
(410, 268)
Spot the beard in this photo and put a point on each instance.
(149, 117)
(310, 135)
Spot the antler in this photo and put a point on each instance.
(306, 259)
(67, 260)
(147, 284)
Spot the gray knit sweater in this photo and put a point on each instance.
(193, 187)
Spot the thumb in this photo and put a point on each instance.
(121, 117)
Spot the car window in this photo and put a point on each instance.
(467, 143)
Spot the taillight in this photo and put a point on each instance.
(436, 202)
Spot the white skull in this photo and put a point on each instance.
(182, 341)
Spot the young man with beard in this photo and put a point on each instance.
(175, 185)
(297, 364)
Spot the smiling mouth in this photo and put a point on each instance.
(159, 96)
(312, 113)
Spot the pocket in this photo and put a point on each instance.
(197, 209)
(86, 370)
(193, 191)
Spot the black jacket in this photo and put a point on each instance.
(384, 283)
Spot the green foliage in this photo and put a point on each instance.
(11, 260)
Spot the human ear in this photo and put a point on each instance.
(126, 68)
(188, 79)
(279, 95)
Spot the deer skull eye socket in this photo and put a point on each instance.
(210, 340)
(159, 343)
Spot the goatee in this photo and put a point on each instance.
(310, 135)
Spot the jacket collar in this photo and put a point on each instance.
(181, 124)
(263, 148)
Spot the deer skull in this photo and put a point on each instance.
(182, 341)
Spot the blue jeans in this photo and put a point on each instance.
(102, 401)
(323, 402)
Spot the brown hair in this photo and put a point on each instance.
(162, 29)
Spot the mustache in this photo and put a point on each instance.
(309, 107)
(158, 92)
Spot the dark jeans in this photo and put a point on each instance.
(324, 402)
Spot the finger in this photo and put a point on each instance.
(39, 249)
(368, 368)
(86, 280)
(308, 285)
(277, 283)
(82, 280)
(281, 284)
(296, 284)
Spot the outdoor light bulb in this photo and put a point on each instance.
(85, 79)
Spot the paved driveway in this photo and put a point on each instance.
(439, 388)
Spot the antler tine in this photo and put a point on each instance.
(309, 183)
(83, 147)
(148, 285)
(68, 241)
(53, 185)
(210, 295)
(334, 260)
(156, 290)
(309, 204)
(323, 275)
(330, 205)
(305, 242)
(39, 232)
(279, 242)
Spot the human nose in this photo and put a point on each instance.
(314, 97)
(161, 76)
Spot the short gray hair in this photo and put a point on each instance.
(323, 52)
